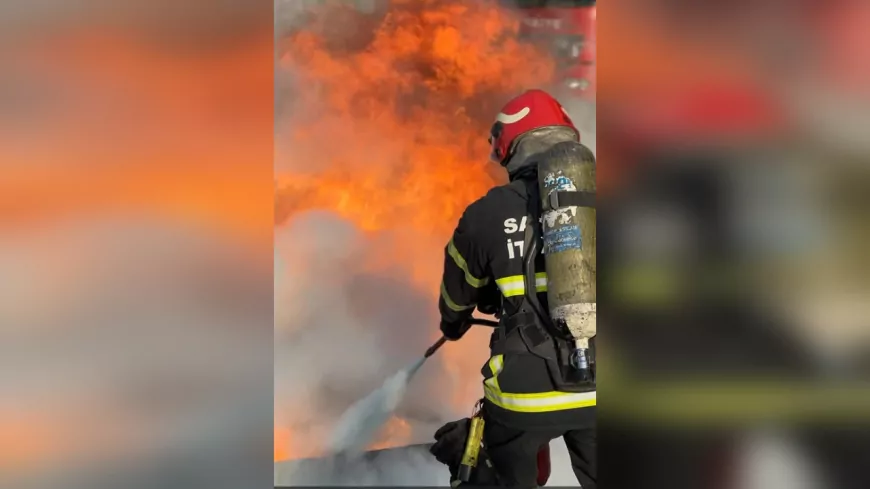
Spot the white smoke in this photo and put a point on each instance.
(341, 330)
(339, 333)
(411, 466)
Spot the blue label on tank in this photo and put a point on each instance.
(563, 239)
(558, 181)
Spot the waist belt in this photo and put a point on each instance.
(508, 337)
(523, 333)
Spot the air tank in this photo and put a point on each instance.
(569, 242)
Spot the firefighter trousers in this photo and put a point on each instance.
(513, 453)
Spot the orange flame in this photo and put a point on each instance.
(283, 440)
(399, 125)
(389, 130)
(396, 432)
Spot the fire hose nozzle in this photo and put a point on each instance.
(473, 321)
(432, 349)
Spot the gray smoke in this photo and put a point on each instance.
(411, 466)
(341, 331)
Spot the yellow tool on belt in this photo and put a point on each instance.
(472, 444)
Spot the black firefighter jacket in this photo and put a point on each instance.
(484, 265)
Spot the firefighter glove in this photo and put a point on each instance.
(454, 331)
(450, 443)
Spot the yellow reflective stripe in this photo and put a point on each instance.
(511, 286)
(460, 262)
(496, 363)
(452, 305)
(539, 402)
(515, 285)
(541, 282)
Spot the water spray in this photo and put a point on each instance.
(359, 425)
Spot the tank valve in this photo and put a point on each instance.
(579, 359)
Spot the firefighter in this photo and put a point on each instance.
(525, 405)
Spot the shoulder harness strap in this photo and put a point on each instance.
(569, 198)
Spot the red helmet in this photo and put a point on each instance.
(530, 110)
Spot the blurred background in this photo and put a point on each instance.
(735, 293)
(135, 244)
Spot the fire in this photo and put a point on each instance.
(389, 130)
(399, 125)
(283, 444)
(397, 432)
